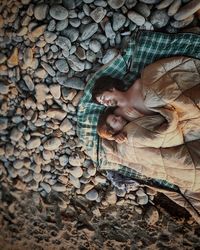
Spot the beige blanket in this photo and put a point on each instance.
(167, 145)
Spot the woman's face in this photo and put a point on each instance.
(116, 122)
(108, 98)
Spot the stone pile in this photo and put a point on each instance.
(49, 49)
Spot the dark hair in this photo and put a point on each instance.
(106, 83)
(103, 129)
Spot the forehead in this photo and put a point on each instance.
(109, 118)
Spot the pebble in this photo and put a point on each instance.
(98, 14)
(116, 4)
(13, 59)
(46, 187)
(3, 122)
(52, 144)
(58, 12)
(62, 25)
(33, 143)
(75, 63)
(136, 18)
(88, 31)
(49, 36)
(63, 42)
(75, 171)
(29, 82)
(109, 56)
(63, 160)
(41, 91)
(159, 18)
(62, 66)
(18, 164)
(48, 68)
(74, 181)
(55, 90)
(4, 88)
(174, 7)
(164, 4)
(3, 58)
(183, 23)
(15, 134)
(66, 125)
(187, 10)
(59, 187)
(40, 11)
(57, 114)
(118, 21)
(92, 195)
(37, 32)
(28, 57)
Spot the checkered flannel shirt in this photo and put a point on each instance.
(144, 48)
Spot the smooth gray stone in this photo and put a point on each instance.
(61, 25)
(116, 4)
(4, 88)
(98, 14)
(150, 1)
(58, 12)
(159, 18)
(74, 82)
(71, 33)
(75, 63)
(63, 42)
(49, 36)
(118, 21)
(48, 69)
(89, 30)
(62, 65)
(41, 11)
(110, 34)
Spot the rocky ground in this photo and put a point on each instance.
(52, 196)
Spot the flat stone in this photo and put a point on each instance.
(74, 181)
(116, 4)
(159, 18)
(109, 56)
(33, 143)
(164, 4)
(150, 1)
(95, 45)
(46, 187)
(15, 134)
(18, 164)
(66, 125)
(183, 23)
(75, 161)
(59, 188)
(110, 34)
(98, 14)
(41, 11)
(174, 7)
(49, 36)
(3, 58)
(118, 21)
(136, 18)
(92, 195)
(71, 33)
(41, 91)
(28, 57)
(38, 31)
(29, 82)
(48, 68)
(89, 30)
(52, 144)
(41, 73)
(187, 10)
(63, 160)
(75, 63)
(3, 123)
(55, 90)
(62, 25)
(57, 114)
(4, 88)
(143, 9)
(73, 82)
(58, 12)
(76, 171)
(63, 42)
(13, 59)
(62, 66)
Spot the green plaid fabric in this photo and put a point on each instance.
(145, 47)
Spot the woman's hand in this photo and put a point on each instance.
(120, 138)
